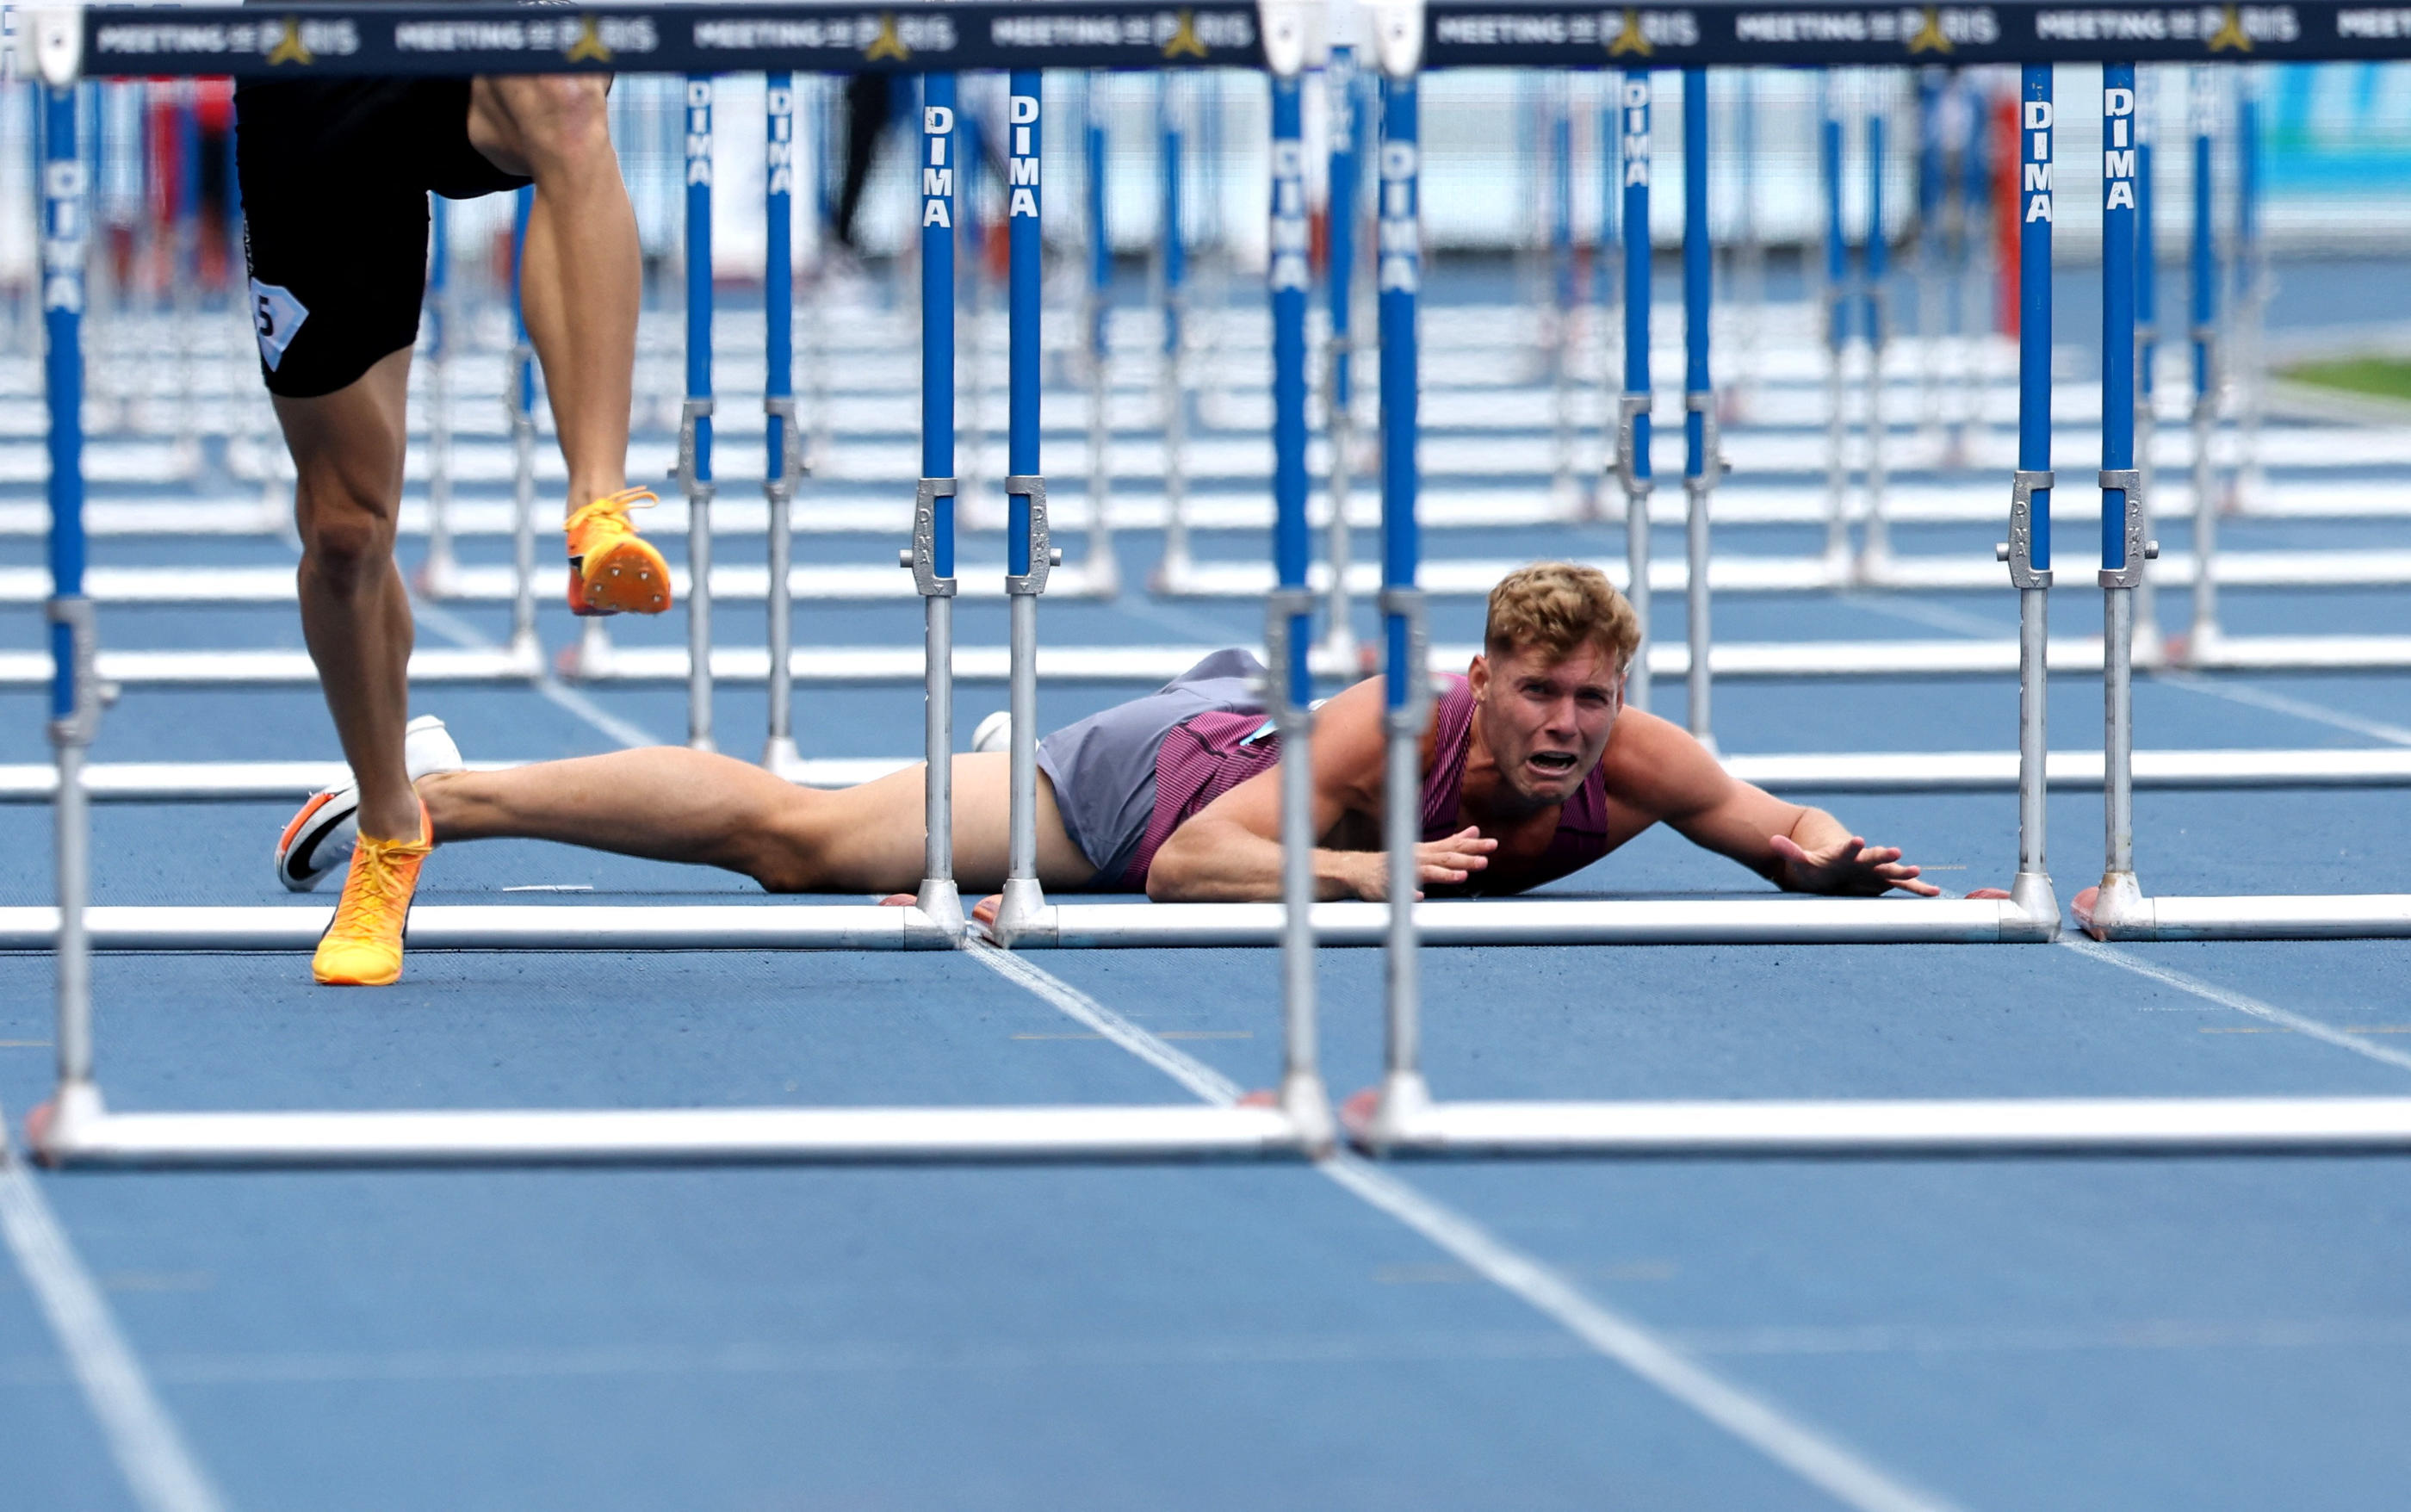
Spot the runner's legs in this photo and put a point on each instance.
(669, 803)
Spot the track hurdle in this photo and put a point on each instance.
(439, 574)
(1102, 566)
(1632, 406)
(1175, 564)
(1400, 1116)
(2203, 336)
(2118, 908)
(1343, 94)
(784, 463)
(77, 1127)
(694, 412)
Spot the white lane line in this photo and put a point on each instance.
(1808, 1453)
(461, 632)
(1208, 1085)
(1816, 1458)
(2260, 697)
(159, 1469)
(2228, 997)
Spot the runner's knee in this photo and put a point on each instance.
(346, 530)
(560, 120)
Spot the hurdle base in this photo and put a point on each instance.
(78, 1129)
(1938, 1126)
(1773, 920)
(2310, 916)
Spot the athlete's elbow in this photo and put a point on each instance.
(1168, 879)
(1178, 872)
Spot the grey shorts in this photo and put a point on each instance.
(1102, 768)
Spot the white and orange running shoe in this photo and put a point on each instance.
(613, 570)
(319, 839)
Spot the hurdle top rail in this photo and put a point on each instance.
(945, 35)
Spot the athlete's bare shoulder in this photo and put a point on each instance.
(1659, 768)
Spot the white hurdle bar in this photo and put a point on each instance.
(1943, 771)
(853, 507)
(84, 1132)
(1938, 1126)
(874, 665)
(530, 927)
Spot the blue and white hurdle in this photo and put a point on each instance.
(78, 1127)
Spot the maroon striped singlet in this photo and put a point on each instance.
(1206, 755)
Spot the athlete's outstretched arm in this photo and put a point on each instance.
(1659, 769)
(1231, 851)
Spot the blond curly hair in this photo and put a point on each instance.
(1554, 606)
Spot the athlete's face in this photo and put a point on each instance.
(1546, 722)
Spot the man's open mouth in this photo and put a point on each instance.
(1555, 760)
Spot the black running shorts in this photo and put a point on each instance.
(335, 176)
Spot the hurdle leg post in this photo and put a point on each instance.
(931, 555)
(2124, 548)
(2202, 636)
(439, 575)
(1345, 179)
(2147, 345)
(520, 401)
(1101, 566)
(1028, 553)
(1633, 405)
(2027, 551)
(1836, 307)
(2249, 366)
(1929, 157)
(1407, 702)
(1289, 612)
(1703, 458)
(1561, 304)
(184, 301)
(783, 463)
(1172, 274)
(75, 688)
(694, 414)
(1875, 546)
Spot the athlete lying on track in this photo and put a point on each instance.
(1532, 769)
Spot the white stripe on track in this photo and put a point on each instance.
(2229, 998)
(159, 1469)
(1799, 1448)
(2251, 697)
(1210, 1085)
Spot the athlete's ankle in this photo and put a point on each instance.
(404, 820)
(584, 491)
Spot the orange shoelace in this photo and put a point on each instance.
(608, 516)
(378, 884)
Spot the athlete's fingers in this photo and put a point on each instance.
(984, 909)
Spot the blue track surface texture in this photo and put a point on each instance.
(2063, 1333)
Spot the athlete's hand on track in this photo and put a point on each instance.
(1849, 869)
(1442, 862)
